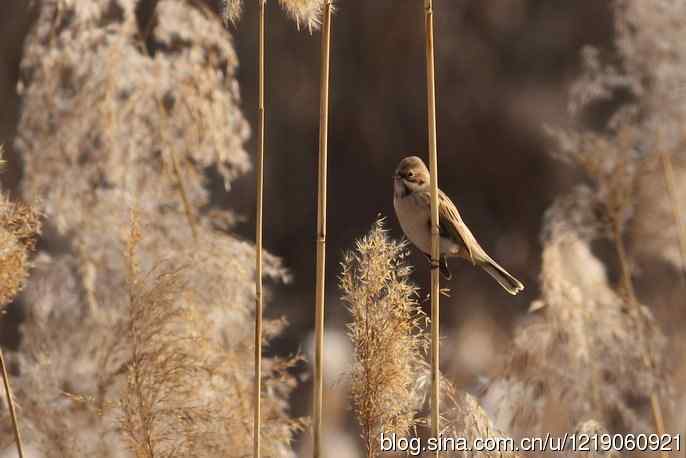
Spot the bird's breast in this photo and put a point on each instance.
(414, 217)
(414, 220)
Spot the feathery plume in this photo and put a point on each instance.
(581, 327)
(646, 124)
(306, 12)
(109, 155)
(231, 11)
(387, 335)
(20, 225)
(465, 418)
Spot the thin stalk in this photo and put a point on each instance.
(629, 290)
(679, 221)
(257, 420)
(627, 282)
(321, 232)
(175, 162)
(433, 168)
(658, 418)
(188, 210)
(10, 402)
(184, 195)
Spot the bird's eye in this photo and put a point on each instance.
(410, 174)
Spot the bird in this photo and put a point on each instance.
(412, 203)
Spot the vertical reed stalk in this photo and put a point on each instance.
(679, 221)
(258, 237)
(321, 231)
(10, 403)
(433, 168)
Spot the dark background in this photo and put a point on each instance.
(503, 69)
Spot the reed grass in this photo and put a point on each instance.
(178, 176)
(616, 203)
(257, 420)
(12, 409)
(318, 388)
(19, 225)
(679, 221)
(435, 247)
(388, 336)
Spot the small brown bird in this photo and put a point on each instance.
(412, 202)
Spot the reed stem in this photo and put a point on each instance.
(188, 210)
(433, 168)
(258, 238)
(184, 194)
(321, 231)
(10, 403)
(679, 221)
(630, 294)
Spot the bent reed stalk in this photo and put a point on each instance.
(10, 403)
(433, 169)
(258, 237)
(321, 232)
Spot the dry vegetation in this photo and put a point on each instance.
(594, 350)
(303, 12)
(387, 332)
(151, 344)
(136, 337)
(19, 226)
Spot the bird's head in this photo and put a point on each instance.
(411, 175)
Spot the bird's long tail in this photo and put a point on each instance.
(502, 276)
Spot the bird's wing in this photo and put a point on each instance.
(451, 226)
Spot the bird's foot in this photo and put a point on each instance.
(441, 264)
(444, 269)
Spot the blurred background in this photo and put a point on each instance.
(504, 68)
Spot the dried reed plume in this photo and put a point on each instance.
(582, 355)
(646, 124)
(592, 428)
(304, 12)
(19, 226)
(435, 244)
(465, 418)
(387, 332)
(108, 151)
(320, 281)
(162, 413)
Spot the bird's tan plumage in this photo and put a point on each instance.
(412, 202)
